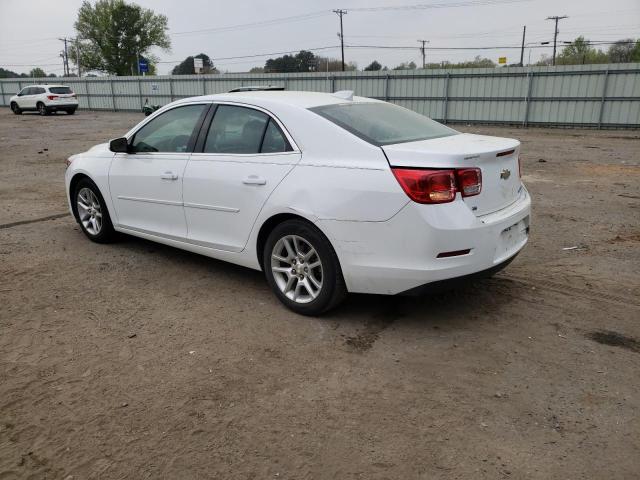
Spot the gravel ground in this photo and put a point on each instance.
(136, 360)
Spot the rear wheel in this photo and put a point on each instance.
(302, 268)
(15, 109)
(42, 109)
(71, 111)
(93, 215)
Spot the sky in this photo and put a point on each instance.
(29, 31)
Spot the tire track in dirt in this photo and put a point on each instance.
(573, 291)
(35, 220)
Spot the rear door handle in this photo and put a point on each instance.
(254, 180)
(169, 176)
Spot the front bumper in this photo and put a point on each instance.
(402, 253)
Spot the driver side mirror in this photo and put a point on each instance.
(119, 145)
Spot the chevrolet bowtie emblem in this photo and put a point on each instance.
(504, 174)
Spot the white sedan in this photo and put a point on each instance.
(326, 193)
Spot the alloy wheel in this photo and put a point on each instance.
(89, 211)
(297, 269)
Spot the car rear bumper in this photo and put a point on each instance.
(61, 106)
(402, 253)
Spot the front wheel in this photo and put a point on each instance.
(15, 109)
(302, 268)
(92, 213)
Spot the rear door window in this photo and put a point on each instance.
(242, 130)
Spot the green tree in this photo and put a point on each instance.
(406, 66)
(303, 61)
(37, 73)
(186, 66)
(624, 51)
(579, 52)
(326, 64)
(8, 73)
(257, 70)
(115, 34)
(373, 67)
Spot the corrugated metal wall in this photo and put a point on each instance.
(578, 95)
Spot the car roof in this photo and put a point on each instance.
(292, 98)
(46, 85)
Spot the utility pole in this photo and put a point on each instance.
(65, 57)
(555, 34)
(340, 12)
(524, 32)
(424, 53)
(77, 43)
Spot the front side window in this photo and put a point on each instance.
(383, 123)
(241, 130)
(170, 132)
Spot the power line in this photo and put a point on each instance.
(263, 23)
(428, 6)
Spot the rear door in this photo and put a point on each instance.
(242, 155)
(146, 183)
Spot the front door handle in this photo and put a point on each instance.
(254, 180)
(169, 176)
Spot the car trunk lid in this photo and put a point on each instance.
(496, 157)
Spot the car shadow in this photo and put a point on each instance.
(454, 307)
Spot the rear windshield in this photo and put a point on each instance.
(60, 90)
(383, 123)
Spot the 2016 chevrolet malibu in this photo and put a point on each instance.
(326, 193)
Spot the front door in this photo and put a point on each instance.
(146, 184)
(244, 156)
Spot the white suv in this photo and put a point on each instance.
(44, 99)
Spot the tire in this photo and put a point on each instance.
(91, 212)
(42, 109)
(71, 111)
(311, 290)
(15, 109)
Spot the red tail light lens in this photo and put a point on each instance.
(438, 186)
(469, 181)
(427, 186)
(52, 97)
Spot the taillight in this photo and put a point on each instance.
(52, 97)
(438, 186)
(469, 181)
(427, 186)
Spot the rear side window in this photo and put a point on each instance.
(383, 123)
(274, 140)
(60, 90)
(39, 90)
(169, 132)
(242, 130)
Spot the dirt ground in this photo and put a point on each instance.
(136, 360)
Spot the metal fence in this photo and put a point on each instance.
(603, 96)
